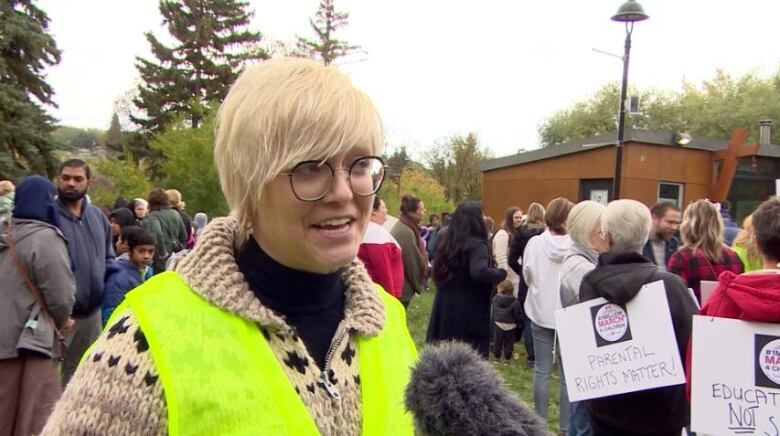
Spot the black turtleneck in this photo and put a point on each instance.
(313, 304)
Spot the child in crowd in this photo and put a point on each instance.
(118, 219)
(6, 197)
(126, 273)
(507, 315)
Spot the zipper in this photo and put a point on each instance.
(329, 387)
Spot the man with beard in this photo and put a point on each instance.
(89, 243)
(663, 241)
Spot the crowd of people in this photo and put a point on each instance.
(70, 265)
(564, 254)
(288, 315)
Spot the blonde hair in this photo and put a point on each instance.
(582, 219)
(174, 196)
(534, 219)
(6, 187)
(506, 287)
(627, 222)
(702, 229)
(282, 112)
(747, 238)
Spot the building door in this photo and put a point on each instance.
(598, 190)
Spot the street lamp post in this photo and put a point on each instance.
(629, 13)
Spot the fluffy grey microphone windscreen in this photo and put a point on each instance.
(452, 391)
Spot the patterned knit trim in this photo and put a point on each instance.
(211, 270)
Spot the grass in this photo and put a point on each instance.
(519, 378)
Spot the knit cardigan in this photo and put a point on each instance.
(116, 390)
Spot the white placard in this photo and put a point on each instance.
(706, 287)
(608, 349)
(735, 382)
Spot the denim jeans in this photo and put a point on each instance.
(543, 348)
(579, 419)
(528, 340)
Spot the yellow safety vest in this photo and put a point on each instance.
(220, 376)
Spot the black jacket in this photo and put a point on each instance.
(618, 278)
(507, 309)
(461, 307)
(516, 248)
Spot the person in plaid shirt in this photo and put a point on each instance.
(703, 255)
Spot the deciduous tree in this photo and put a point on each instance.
(419, 182)
(188, 165)
(714, 108)
(454, 163)
(115, 177)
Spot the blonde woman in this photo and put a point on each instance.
(276, 327)
(746, 247)
(584, 225)
(703, 255)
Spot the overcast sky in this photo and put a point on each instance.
(436, 68)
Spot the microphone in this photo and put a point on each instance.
(453, 391)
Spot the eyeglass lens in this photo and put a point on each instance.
(311, 180)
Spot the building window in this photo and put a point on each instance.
(671, 192)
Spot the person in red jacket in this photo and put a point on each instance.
(381, 253)
(753, 296)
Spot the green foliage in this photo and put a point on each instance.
(454, 164)
(420, 183)
(115, 140)
(188, 165)
(326, 47)
(75, 137)
(115, 177)
(26, 48)
(210, 49)
(396, 163)
(715, 108)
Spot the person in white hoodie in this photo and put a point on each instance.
(542, 261)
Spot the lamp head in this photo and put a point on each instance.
(682, 138)
(630, 11)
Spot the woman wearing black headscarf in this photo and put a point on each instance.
(38, 290)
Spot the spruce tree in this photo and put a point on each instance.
(26, 49)
(114, 136)
(326, 47)
(212, 45)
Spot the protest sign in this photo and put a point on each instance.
(735, 381)
(707, 286)
(609, 349)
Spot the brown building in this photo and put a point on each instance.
(654, 168)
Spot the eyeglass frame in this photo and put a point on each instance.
(291, 173)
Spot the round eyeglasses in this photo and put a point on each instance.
(310, 180)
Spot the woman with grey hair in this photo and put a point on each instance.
(618, 277)
(199, 222)
(584, 224)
